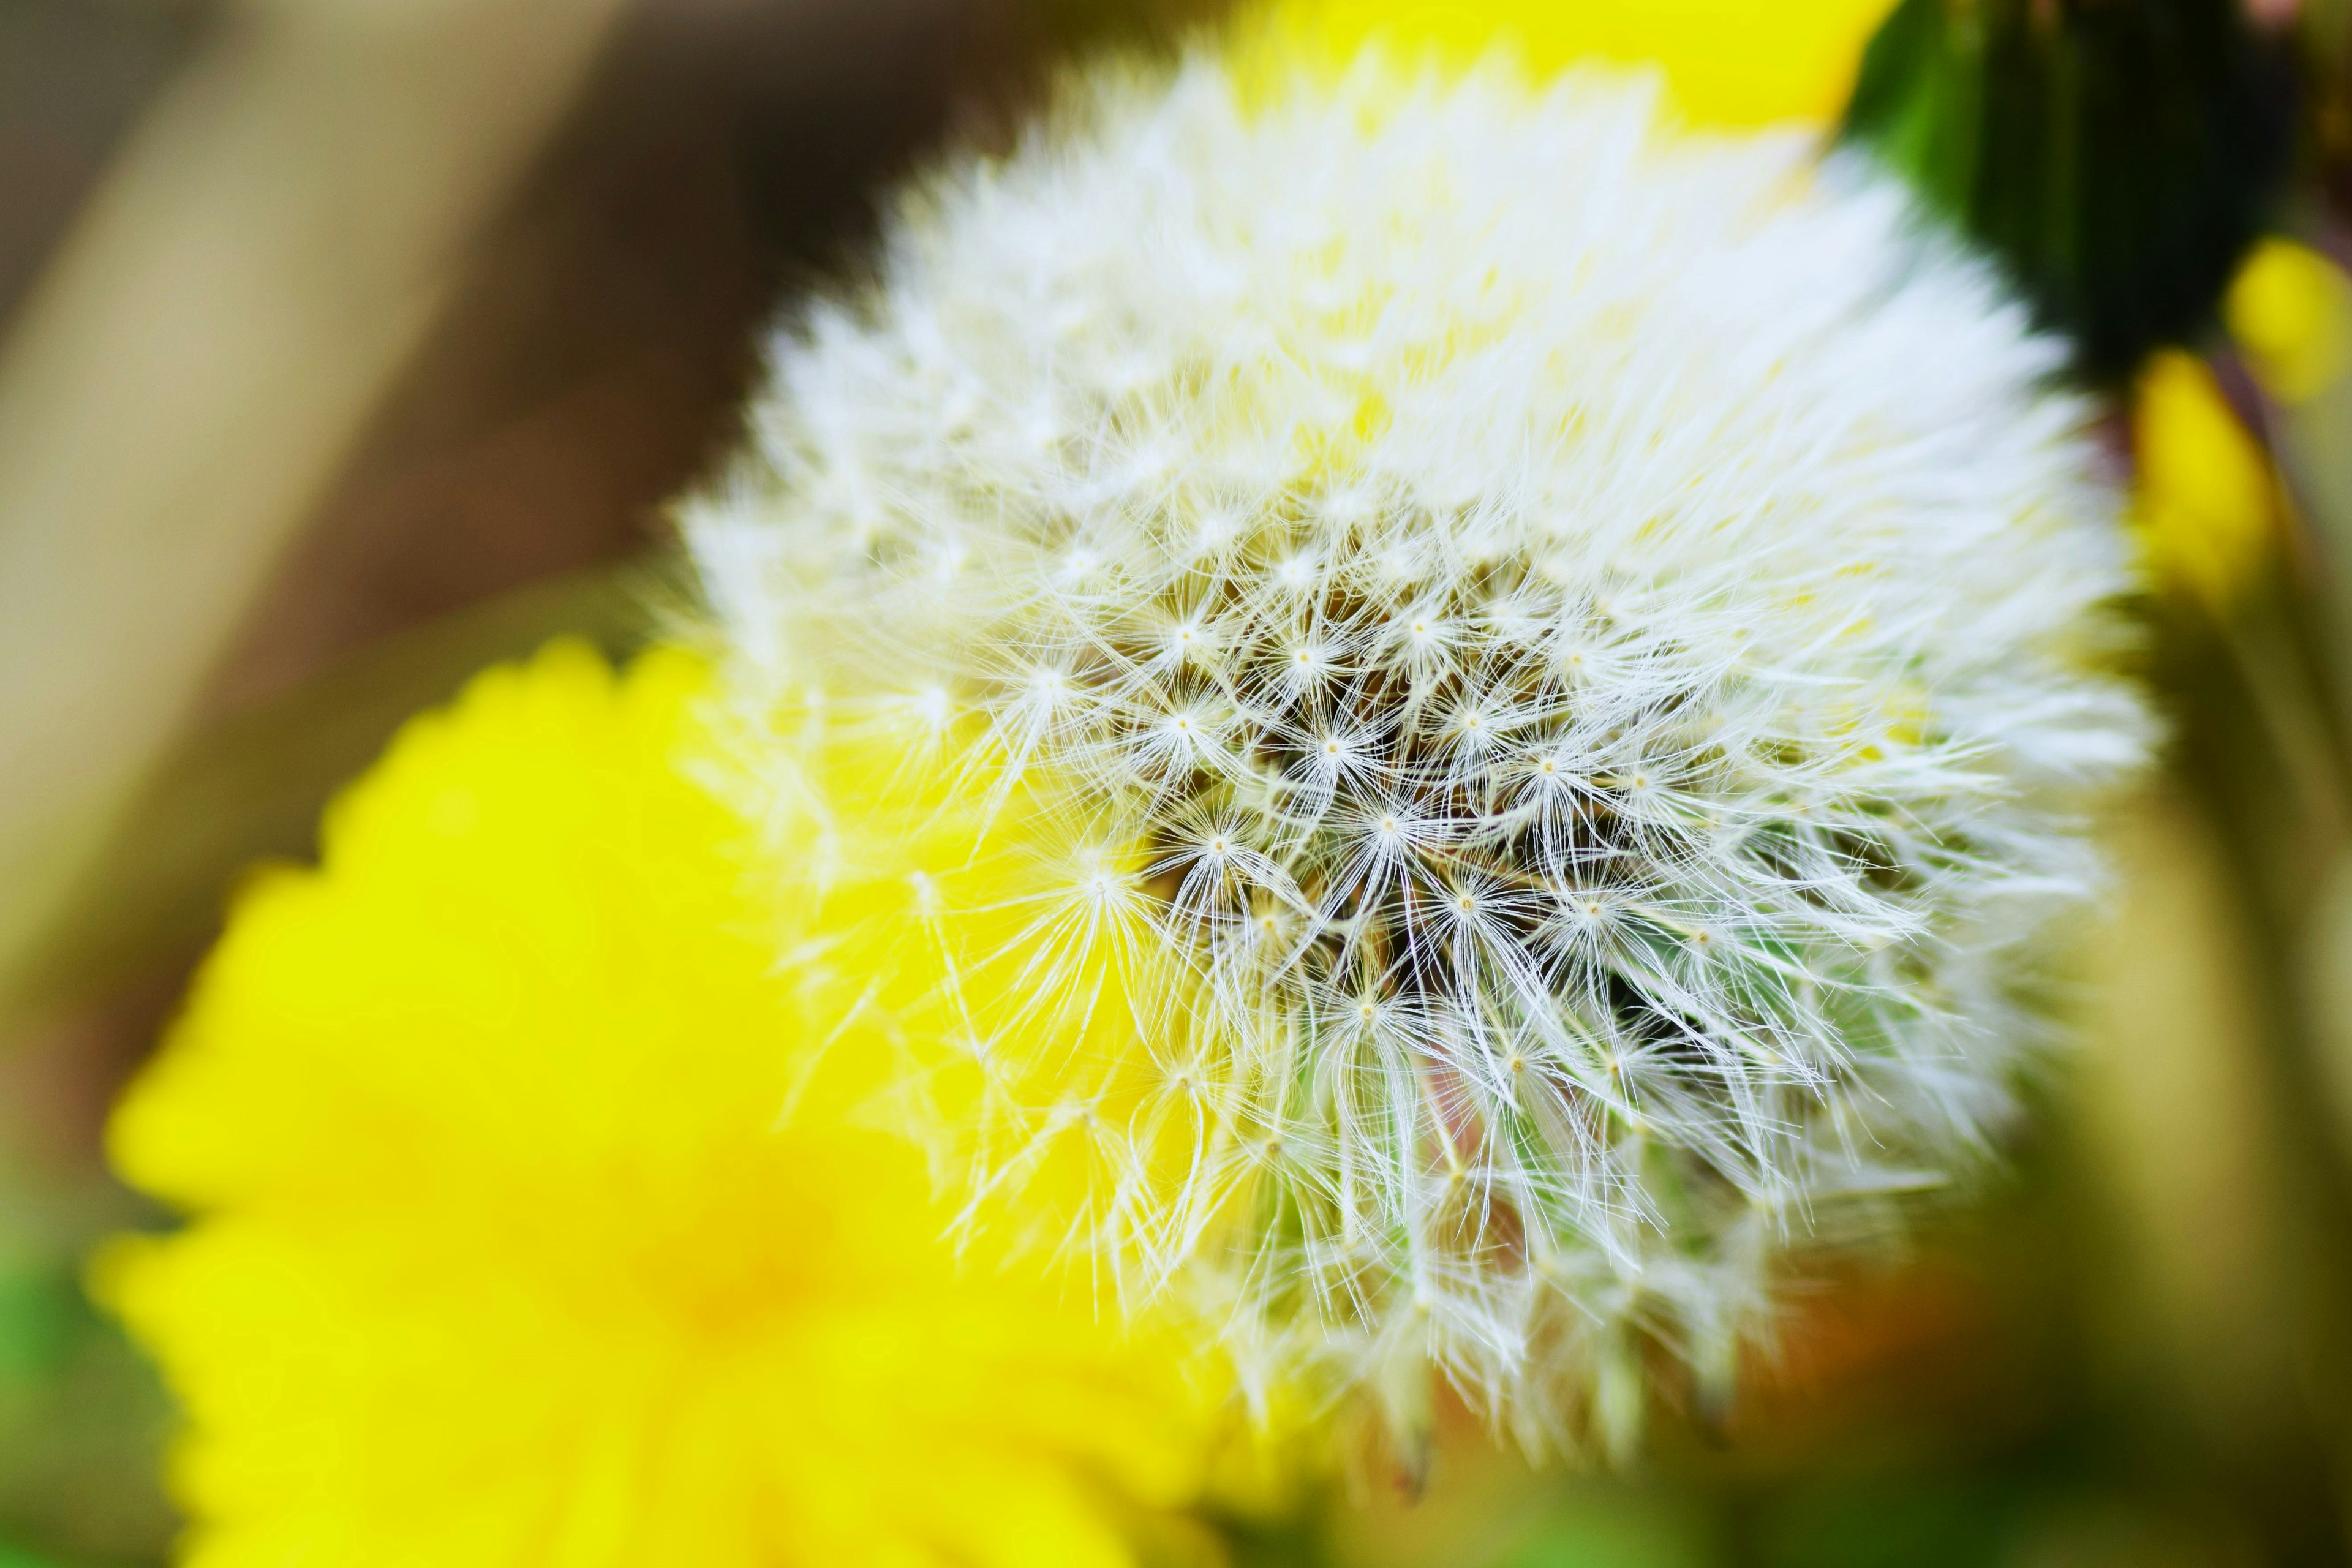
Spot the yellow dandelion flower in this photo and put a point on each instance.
(524, 1235)
(2290, 310)
(1729, 63)
(2206, 503)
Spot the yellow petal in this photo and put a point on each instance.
(1729, 63)
(2206, 503)
(2290, 310)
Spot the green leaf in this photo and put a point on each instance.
(37, 1314)
(2116, 155)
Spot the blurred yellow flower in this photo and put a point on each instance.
(2206, 502)
(524, 1234)
(1729, 63)
(2290, 310)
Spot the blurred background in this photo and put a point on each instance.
(348, 345)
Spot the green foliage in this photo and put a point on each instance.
(81, 1417)
(37, 1309)
(1931, 1521)
(1620, 1530)
(2117, 156)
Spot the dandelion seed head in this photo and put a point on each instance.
(1579, 640)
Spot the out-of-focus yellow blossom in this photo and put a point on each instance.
(1729, 63)
(2207, 502)
(524, 1235)
(2290, 310)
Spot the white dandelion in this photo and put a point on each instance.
(1517, 685)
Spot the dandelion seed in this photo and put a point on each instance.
(1590, 754)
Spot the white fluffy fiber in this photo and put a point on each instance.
(1592, 628)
